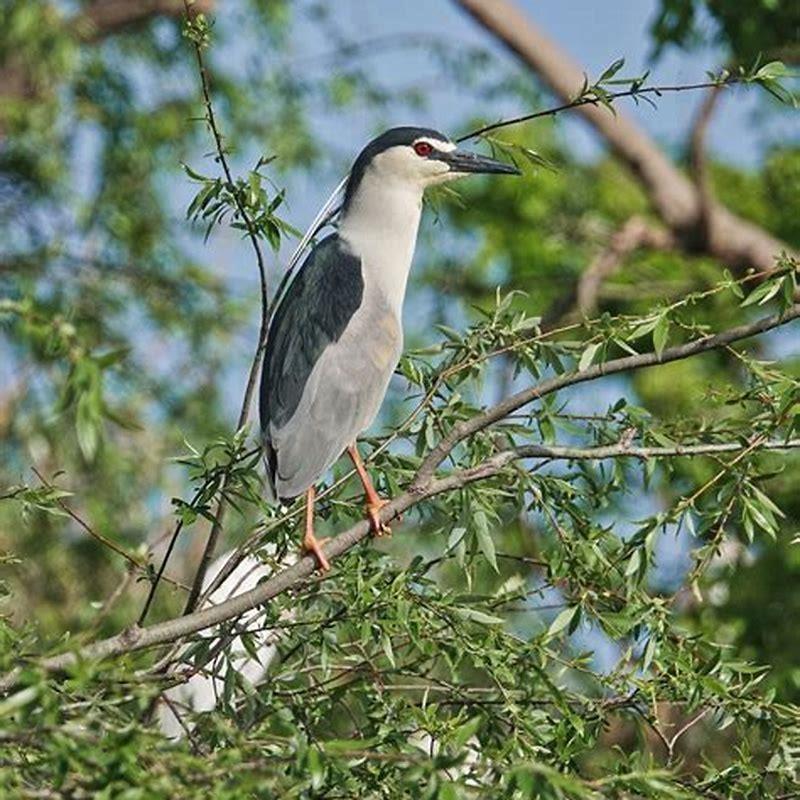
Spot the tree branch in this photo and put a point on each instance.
(94, 23)
(463, 430)
(255, 366)
(625, 450)
(698, 161)
(635, 234)
(738, 243)
(425, 486)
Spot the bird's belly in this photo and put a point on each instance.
(362, 362)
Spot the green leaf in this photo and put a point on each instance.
(346, 745)
(611, 71)
(463, 733)
(456, 535)
(587, 357)
(18, 700)
(485, 540)
(563, 619)
(478, 616)
(388, 650)
(86, 426)
(661, 334)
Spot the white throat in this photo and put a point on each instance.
(381, 226)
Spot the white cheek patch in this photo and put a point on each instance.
(403, 162)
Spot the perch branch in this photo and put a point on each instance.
(425, 486)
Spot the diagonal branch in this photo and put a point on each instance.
(464, 429)
(738, 243)
(425, 486)
(635, 234)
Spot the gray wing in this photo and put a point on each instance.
(328, 362)
(314, 312)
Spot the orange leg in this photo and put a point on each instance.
(374, 502)
(310, 542)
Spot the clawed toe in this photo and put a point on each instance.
(379, 528)
(313, 547)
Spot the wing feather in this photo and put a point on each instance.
(313, 314)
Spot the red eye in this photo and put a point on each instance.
(423, 149)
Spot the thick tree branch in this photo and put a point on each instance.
(426, 486)
(95, 22)
(738, 243)
(465, 429)
(698, 161)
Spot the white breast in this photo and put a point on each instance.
(381, 225)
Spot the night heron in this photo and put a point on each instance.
(336, 335)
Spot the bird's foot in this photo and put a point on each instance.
(313, 546)
(373, 508)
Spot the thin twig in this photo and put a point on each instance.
(592, 100)
(244, 413)
(255, 366)
(134, 562)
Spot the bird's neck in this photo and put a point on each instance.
(380, 224)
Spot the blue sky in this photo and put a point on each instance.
(594, 33)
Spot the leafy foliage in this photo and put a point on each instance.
(755, 28)
(586, 607)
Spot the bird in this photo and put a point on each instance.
(335, 335)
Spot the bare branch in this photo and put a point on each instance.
(426, 486)
(698, 161)
(624, 450)
(635, 234)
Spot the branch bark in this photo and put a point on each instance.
(738, 243)
(425, 486)
(698, 162)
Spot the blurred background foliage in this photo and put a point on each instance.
(122, 337)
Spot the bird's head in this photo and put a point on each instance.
(420, 157)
